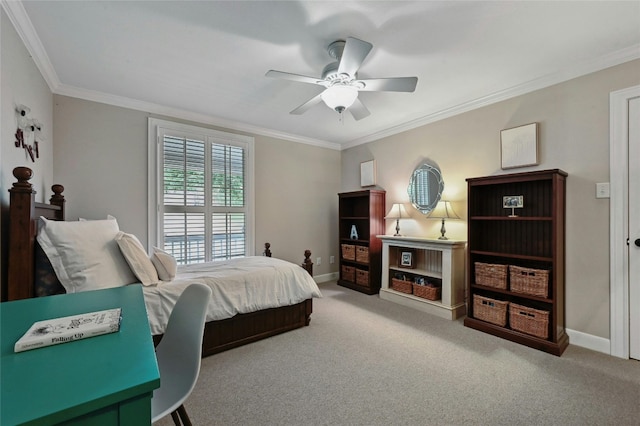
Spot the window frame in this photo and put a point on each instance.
(156, 128)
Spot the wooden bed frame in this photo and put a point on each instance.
(218, 335)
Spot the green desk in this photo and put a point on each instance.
(102, 380)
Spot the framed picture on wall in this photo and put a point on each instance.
(368, 173)
(519, 146)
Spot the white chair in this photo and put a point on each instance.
(179, 354)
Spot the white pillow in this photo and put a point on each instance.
(82, 219)
(137, 258)
(165, 264)
(84, 254)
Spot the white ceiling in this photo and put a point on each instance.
(207, 60)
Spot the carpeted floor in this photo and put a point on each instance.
(366, 361)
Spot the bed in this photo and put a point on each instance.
(30, 274)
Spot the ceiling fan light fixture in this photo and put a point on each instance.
(339, 97)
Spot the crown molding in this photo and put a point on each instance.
(25, 29)
(21, 22)
(124, 102)
(579, 69)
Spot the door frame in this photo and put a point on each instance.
(619, 219)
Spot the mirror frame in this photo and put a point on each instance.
(433, 176)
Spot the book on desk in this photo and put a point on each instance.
(67, 329)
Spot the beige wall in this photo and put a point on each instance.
(296, 200)
(574, 136)
(101, 159)
(21, 84)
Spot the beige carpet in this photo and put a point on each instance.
(366, 361)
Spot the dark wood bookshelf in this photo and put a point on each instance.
(533, 239)
(365, 209)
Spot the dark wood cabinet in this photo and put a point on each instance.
(522, 252)
(360, 220)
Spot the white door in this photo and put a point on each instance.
(634, 228)
(624, 216)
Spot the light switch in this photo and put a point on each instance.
(602, 190)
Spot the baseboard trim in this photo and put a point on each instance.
(578, 338)
(589, 341)
(333, 276)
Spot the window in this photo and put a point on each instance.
(202, 180)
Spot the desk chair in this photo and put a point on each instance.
(179, 354)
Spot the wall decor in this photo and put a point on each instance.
(425, 187)
(519, 146)
(368, 173)
(27, 128)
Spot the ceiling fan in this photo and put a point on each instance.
(341, 81)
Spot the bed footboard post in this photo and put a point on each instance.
(21, 235)
(267, 251)
(57, 199)
(307, 263)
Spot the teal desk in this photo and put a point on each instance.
(102, 380)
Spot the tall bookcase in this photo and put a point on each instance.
(361, 213)
(530, 237)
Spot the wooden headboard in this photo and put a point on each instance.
(24, 212)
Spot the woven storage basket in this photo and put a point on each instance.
(529, 320)
(348, 273)
(529, 281)
(491, 275)
(401, 285)
(348, 251)
(490, 310)
(427, 292)
(362, 277)
(362, 254)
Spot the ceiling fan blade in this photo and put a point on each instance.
(394, 84)
(307, 105)
(358, 110)
(353, 55)
(294, 77)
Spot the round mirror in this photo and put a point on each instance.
(425, 187)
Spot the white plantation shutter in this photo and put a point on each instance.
(228, 201)
(203, 210)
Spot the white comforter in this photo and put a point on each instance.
(239, 286)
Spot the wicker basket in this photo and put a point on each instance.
(427, 292)
(348, 252)
(362, 254)
(529, 281)
(362, 277)
(348, 273)
(529, 320)
(490, 310)
(402, 286)
(491, 275)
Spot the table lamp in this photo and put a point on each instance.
(443, 211)
(397, 212)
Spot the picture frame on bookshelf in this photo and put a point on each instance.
(407, 258)
(513, 202)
